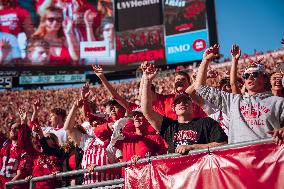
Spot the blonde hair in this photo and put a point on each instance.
(41, 30)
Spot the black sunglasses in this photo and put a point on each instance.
(253, 74)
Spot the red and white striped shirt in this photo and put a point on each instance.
(95, 153)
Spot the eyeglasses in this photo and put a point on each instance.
(52, 19)
(253, 74)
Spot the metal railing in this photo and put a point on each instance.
(124, 164)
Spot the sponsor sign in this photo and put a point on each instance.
(186, 47)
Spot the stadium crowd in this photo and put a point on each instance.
(49, 131)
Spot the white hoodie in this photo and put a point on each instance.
(251, 117)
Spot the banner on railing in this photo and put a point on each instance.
(258, 166)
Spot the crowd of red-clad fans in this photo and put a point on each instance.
(49, 131)
(49, 32)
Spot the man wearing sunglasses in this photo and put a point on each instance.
(256, 114)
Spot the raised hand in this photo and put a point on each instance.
(193, 76)
(211, 53)
(37, 129)
(89, 17)
(236, 52)
(23, 115)
(144, 65)
(36, 105)
(149, 70)
(5, 49)
(98, 70)
(4, 44)
(85, 91)
(67, 26)
(79, 103)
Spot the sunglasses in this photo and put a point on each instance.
(253, 74)
(52, 19)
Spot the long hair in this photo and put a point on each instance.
(41, 30)
(105, 21)
(54, 138)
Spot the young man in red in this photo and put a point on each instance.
(15, 164)
(136, 141)
(182, 85)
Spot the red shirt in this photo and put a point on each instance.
(45, 165)
(167, 101)
(3, 138)
(103, 133)
(13, 158)
(12, 19)
(64, 57)
(144, 146)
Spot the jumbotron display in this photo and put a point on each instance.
(118, 34)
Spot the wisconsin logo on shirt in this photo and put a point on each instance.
(253, 112)
(186, 135)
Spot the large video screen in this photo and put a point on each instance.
(186, 30)
(118, 34)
